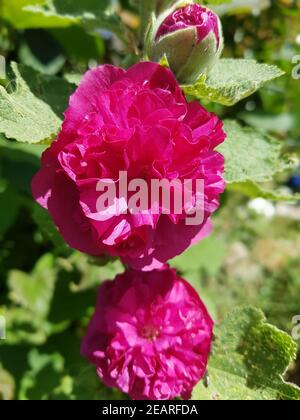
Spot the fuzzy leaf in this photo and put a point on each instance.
(232, 80)
(253, 158)
(249, 360)
(35, 291)
(32, 104)
(250, 155)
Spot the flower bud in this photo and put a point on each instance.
(189, 36)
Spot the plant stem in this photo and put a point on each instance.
(146, 8)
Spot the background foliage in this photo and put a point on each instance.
(47, 291)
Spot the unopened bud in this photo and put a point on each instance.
(189, 36)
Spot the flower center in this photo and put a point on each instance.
(150, 332)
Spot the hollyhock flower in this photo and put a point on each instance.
(136, 121)
(150, 335)
(191, 38)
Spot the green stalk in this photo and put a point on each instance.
(146, 8)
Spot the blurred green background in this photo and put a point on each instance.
(47, 291)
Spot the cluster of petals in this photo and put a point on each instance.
(150, 335)
(138, 121)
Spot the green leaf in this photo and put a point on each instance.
(46, 301)
(214, 2)
(253, 158)
(249, 360)
(32, 104)
(87, 272)
(14, 11)
(44, 377)
(253, 190)
(74, 78)
(240, 6)
(19, 151)
(270, 123)
(34, 292)
(24, 327)
(206, 256)
(91, 14)
(27, 14)
(250, 155)
(232, 80)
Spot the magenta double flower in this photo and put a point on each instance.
(136, 121)
(150, 335)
